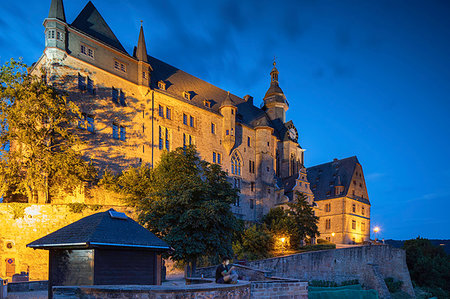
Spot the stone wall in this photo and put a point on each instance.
(343, 264)
(22, 223)
(239, 291)
(273, 289)
(243, 290)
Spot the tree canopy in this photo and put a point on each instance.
(298, 222)
(37, 139)
(186, 201)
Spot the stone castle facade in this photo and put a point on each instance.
(135, 107)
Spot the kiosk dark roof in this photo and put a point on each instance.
(105, 229)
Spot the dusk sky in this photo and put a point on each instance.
(364, 78)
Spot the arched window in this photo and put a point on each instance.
(235, 164)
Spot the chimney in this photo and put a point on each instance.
(249, 99)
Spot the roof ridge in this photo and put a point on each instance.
(333, 161)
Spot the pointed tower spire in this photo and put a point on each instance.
(275, 102)
(274, 73)
(141, 51)
(57, 10)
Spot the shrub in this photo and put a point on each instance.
(77, 207)
(393, 285)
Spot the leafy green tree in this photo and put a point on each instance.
(37, 140)
(429, 265)
(304, 222)
(256, 243)
(298, 222)
(186, 201)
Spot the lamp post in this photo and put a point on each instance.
(282, 244)
(376, 229)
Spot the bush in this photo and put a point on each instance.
(332, 284)
(256, 243)
(318, 247)
(393, 285)
(77, 207)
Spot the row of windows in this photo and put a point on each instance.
(217, 158)
(363, 209)
(188, 120)
(86, 83)
(87, 51)
(87, 122)
(363, 225)
(54, 34)
(165, 113)
(251, 166)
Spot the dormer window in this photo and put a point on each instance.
(51, 34)
(187, 95)
(207, 103)
(120, 66)
(59, 36)
(162, 85)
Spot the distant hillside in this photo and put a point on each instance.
(443, 243)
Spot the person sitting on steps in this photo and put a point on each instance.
(225, 273)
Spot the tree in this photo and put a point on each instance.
(37, 141)
(428, 265)
(297, 222)
(303, 219)
(187, 203)
(256, 243)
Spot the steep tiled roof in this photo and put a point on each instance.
(101, 228)
(324, 177)
(92, 23)
(178, 81)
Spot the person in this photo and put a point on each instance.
(225, 273)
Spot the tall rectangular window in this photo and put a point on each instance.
(191, 121)
(90, 124)
(248, 141)
(115, 95)
(214, 157)
(353, 224)
(252, 203)
(328, 224)
(184, 140)
(168, 113)
(90, 85)
(81, 82)
(123, 133)
(161, 111)
(353, 208)
(219, 158)
(115, 132)
(185, 119)
(213, 128)
(160, 138)
(227, 132)
(363, 211)
(122, 98)
(167, 140)
(252, 186)
(363, 226)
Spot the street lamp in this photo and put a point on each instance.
(282, 244)
(376, 229)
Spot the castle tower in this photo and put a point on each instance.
(144, 67)
(275, 102)
(55, 31)
(228, 110)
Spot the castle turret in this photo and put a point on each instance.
(144, 67)
(55, 27)
(228, 110)
(275, 102)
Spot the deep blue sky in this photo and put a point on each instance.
(365, 78)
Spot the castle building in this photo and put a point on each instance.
(136, 106)
(343, 205)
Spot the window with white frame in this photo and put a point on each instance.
(87, 51)
(120, 66)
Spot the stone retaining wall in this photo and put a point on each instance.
(272, 289)
(239, 291)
